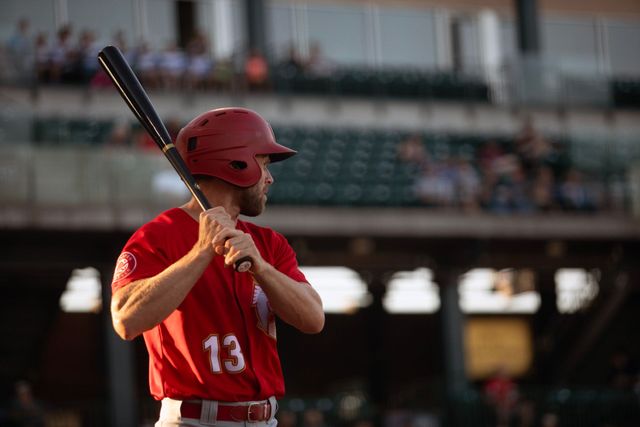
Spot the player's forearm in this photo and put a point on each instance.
(295, 303)
(141, 305)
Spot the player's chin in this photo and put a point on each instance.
(255, 209)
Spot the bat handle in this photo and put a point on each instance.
(243, 264)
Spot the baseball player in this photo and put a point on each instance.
(210, 330)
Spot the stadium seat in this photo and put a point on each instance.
(57, 130)
(384, 82)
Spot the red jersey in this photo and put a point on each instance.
(220, 343)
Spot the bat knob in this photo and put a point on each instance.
(243, 265)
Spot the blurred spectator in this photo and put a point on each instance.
(504, 282)
(488, 154)
(120, 41)
(531, 146)
(489, 180)
(20, 53)
(543, 193)
(146, 66)
(505, 164)
(501, 393)
(412, 151)
(617, 194)
(61, 56)
(509, 192)
(525, 180)
(41, 57)
(468, 186)
(25, 409)
(291, 65)
(100, 80)
(500, 199)
(222, 76)
(559, 160)
(172, 64)
(520, 191)
(87, 52)
(575, 195)
(198, 62)
(317, 64)
(256, 71)
(435, 187)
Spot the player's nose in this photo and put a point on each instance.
(268, 177)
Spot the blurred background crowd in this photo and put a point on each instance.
(69, 57)
(523, 173)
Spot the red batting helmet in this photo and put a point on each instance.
(224, 142)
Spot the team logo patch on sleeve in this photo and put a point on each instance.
(124, 266)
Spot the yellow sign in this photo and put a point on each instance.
(495, 342)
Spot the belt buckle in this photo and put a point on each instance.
(249, 419)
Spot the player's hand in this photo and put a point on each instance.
(235, 245)
(212, 222)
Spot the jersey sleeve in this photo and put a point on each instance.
(141, 257)
(285, 259)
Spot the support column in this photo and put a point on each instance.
(376, 319)
(530, 78)
(185, 11)
(122, 395)
(455, 377)
(255, 14)
(545, 323)
(527, 25)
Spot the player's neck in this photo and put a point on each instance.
(192, 207)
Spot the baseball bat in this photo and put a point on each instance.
(125, 80)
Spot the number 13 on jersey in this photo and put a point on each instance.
(233, 363)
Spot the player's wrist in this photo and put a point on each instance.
(200, 253)
(259, 267)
